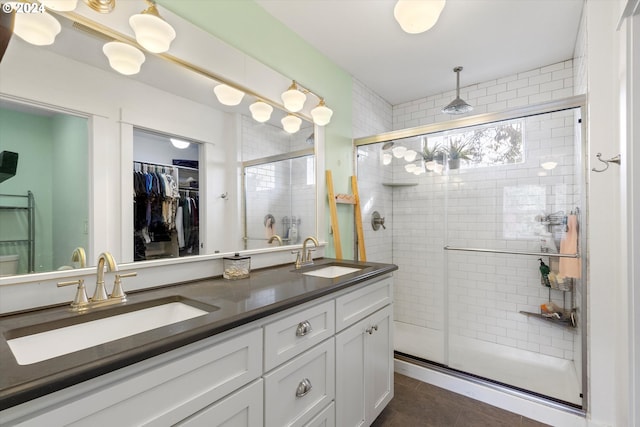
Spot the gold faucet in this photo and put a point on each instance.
(100, 293)
(275, 237)
(100, 298)
(306, 258)
(78, 255)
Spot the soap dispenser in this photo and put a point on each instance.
(293, 233)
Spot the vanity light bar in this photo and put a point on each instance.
(103, 31)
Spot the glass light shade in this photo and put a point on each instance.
(293, 99)
(430, 165)
(410, 155)
(418, 171)
(438, 168)
(549, 165)
(228, 95)
(291, 123)
(39, 29)
(321, 114)
(398, 151)
(417, 16)
(123, 57)
(260, 111)
(152, 32)
(179, 143)
(60, 5)
(410, 167)
(386, 158)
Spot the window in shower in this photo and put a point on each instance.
(491, 144)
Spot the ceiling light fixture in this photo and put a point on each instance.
(39, 29)
(179, 143)
(417, 16)
(101, 6)
(228, 95)
(321, 114)
(293, 98)
(152, 32)
(60, 5)
(123, 57)
(410, 155)
(291, 123)
(260, 111)
(386, 158)
(457, 106)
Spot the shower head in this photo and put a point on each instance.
(387, 145)
(457, 106)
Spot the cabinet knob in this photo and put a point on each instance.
(303, 328)
(371, 329)
(303, 388)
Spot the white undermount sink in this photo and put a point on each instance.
(41, 346)
(332, 271)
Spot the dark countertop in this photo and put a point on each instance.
(238, 302)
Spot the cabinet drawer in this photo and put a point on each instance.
(326, 418)
(290, 336)
(241, 409)
(163, 394)
(298, 390)
(357, 305)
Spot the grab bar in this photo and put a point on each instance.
(499, 251)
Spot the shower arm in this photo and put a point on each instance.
(499, 251)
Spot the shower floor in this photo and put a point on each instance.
(542, 374)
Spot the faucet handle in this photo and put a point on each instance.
(118, 292)
(309, 259)
(298, 258)
(80, 301)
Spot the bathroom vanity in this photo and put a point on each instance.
(286, 346)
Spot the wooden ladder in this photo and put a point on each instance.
(348, 199)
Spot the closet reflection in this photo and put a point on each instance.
(166, 197)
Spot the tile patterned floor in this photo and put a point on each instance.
(417, 404)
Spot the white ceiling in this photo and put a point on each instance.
(489, 38)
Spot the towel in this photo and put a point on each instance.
(570, 267)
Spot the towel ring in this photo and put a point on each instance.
(616, 159)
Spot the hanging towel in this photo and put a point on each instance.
(570, 267)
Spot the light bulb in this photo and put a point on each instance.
(417, 16)
(39, 29)
(123, 58)
(228, 95)
(398, 151)
(260, 111)
(291, 123)
(152, 32)
(179, 143)
(549, 165)
(386, 158)
(410, 155)
(60, 5)
(321, 114)
(293, 99)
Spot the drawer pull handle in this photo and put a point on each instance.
(303, 328)
(303, 388)
(371, 329)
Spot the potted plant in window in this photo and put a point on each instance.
(458, 150)
(432, 156)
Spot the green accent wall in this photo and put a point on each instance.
(52, 164)
(246, 26)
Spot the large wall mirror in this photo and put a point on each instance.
(122, 125)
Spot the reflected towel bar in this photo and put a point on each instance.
(500, 251)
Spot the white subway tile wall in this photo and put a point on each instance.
(275, 188)
(492, 207)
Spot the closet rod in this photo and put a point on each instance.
(499, 251)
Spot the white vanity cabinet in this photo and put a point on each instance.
(159, 391)
(364, 354)
(327, 362)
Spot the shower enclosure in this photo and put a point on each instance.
(485, 219)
